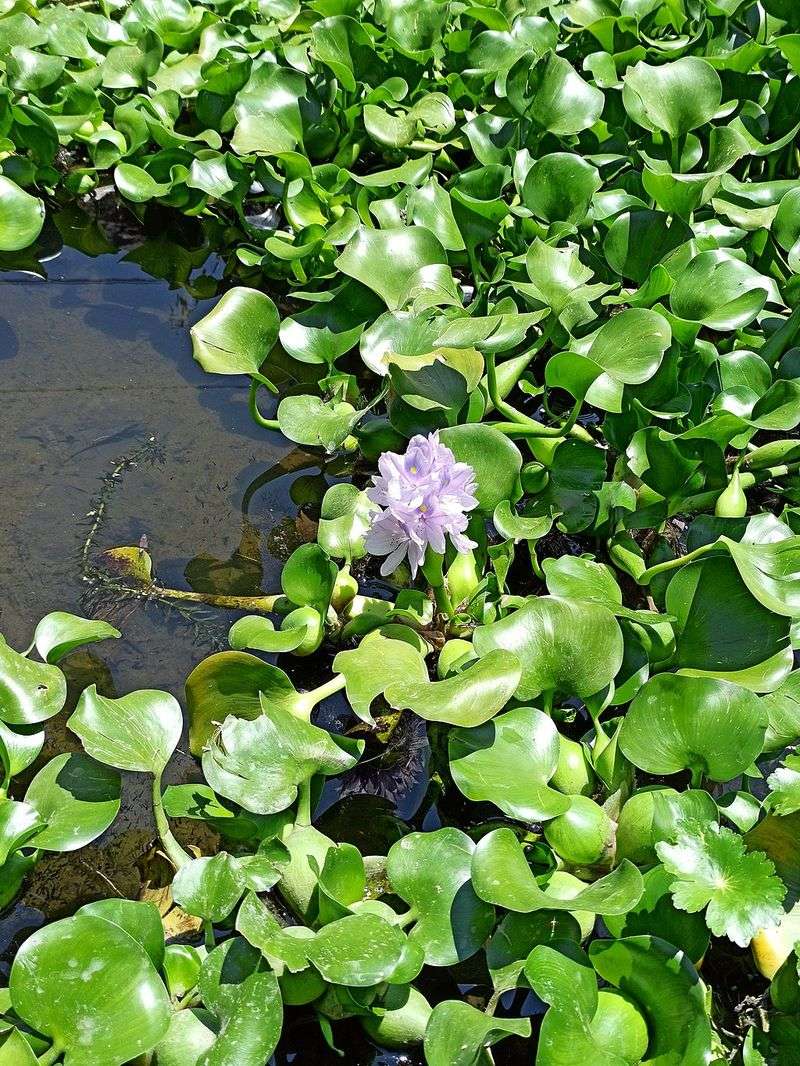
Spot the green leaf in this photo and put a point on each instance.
(238, 334)
(308, 577)
(19, 822)
(559, 187)
(378, 663)
(495, 461)
(469, 698)
(574, 648)
(784, 784)
(675, 97)
(267, 111)
(30, 692)
(678, 723)
(309, 420)
(88, 985)
(771, 571)
(554, 96)
(656, 915)
(260, 763)
(344, 521)
(59, 633)
(209, 887)
(359, 950)
(21, 216)
(139, 731)
(390, 261)
(631, 345)
(242, 991)
(720, 627)
(562, 976)
(431, 872)
(501, 875)
(18, 750)
(458, 1033)
(77, 799)
(719, 291)
(711, 869)
(508, 761)
(666, 988)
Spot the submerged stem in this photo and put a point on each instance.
(175, 853)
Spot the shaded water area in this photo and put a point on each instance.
(111, 436)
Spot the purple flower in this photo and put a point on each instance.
(426, 495)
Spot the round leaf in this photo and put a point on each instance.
(86, 984)
(566, 646)
(508, 761)
(678, 723)
(238, 334)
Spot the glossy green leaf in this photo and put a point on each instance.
(564, 646)
(59, 633)
(509, 761)
(260, 763)
(21, 216)
(139, 731)
(467, 699)
(238, 334)
(676, 723)
(30, 692)
(431, 872)
(88, 986)
(77, 799)
(501, 875)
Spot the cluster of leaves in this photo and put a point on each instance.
(567, 236)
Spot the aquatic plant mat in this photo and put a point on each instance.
(503, 769)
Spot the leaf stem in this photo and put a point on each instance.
(209, 939)
(647, 575)
(336, 684)
(409, 916)
(255, 414)
(304, 803)
(260, 604)
(175, 853)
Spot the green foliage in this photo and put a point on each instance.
(566, 238)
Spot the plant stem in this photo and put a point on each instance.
(491, 1006)
(530, 425)
(208, 935)
(646, 576)
(569, 429)
(255, 414)
(336, 684)
(432, 569)
(260, 604)
(177, 856)
(304, 803)
(402, 920)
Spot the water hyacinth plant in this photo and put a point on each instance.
(521, 282)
